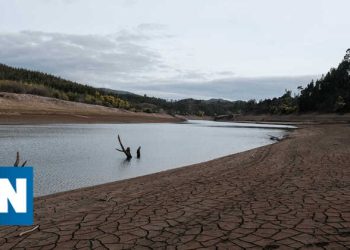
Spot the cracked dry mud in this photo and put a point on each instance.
(293, 194)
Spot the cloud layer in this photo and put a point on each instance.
(235, 88)
(88, 58)
(126, 60)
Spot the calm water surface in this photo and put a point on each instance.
(66, 157)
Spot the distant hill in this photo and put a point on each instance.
(329, 94)
(116, 92)
(23, 81)
(213, 100)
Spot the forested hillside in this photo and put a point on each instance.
(16, 80)
(329, 94)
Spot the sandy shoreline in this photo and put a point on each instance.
(55, 118)
(292, 194)
(293, 119)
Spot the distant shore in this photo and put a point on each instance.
(291, 194)
(302, 119)
(31, 109)
(55, 118)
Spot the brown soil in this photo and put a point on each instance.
(292, 194)
(31, 109)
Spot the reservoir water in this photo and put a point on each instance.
(66, 157)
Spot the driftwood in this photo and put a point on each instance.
(17, 162)
(124, 150)
(275, 138)
(127, 150)
(29, 231)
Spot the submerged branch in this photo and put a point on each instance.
(17, 162)
(125, 151)
(138, 152)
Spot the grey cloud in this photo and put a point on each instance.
(127, 35)
(87, 58)
(237, 88)
(226, 73)
(143, 33)
(100, 60)
(151, 26)
(124, 61)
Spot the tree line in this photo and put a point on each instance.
(23, 81)
(330, 93)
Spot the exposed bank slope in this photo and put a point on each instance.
(31, 109)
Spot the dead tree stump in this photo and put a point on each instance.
(138, 152)
(123, 150)
(127, 151)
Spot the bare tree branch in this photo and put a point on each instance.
(17, 160)
(121, 144)
(125, 151)
(29, 231)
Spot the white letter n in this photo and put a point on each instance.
(17, 198)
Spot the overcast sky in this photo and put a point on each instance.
(232, 49)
